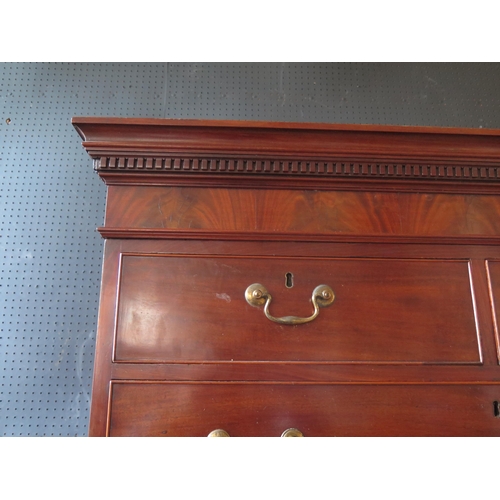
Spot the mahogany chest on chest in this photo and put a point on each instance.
(268, 279)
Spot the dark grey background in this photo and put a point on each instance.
(51, 201)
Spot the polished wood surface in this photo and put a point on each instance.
(493, 267)
(253, 409)
(115, 136)
(401, 222)
(191, 308)
(321, 156)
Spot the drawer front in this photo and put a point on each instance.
(267, 409)
(179, 308)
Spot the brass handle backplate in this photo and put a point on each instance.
(219, 433)
(257, 295)
(292, 433)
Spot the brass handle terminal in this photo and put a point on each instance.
(257, 295)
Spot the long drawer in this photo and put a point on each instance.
(268, 409)
(192, 308)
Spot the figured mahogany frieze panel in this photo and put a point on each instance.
(176, 308)
(281, 211)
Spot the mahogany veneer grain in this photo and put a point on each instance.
(302, 212)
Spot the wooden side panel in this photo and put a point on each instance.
(307, 211)
(260, 409)
(192, 309)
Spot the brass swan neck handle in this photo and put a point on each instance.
(257, 295)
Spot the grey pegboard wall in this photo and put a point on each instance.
(51, 201)
(428, 94)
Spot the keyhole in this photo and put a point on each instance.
(289, 280)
